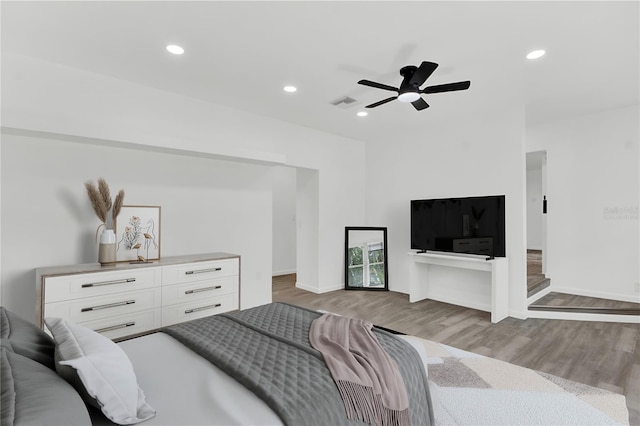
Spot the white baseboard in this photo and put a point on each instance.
(278, 273)
(598, 294)
(519, 315)
(317, 290)
(332, 288)
(302, 286)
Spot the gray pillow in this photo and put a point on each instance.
(24, 338)
(32, 394)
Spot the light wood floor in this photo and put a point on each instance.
(605, 355)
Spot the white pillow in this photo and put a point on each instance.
(104, 369)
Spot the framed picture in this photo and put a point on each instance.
(138, 234)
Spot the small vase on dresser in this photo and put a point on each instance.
(107, 247)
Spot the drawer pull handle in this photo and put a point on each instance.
(198, 290)
(126, 280)
(202, 271)
(115, 327)
(189, 311)
(109, 305)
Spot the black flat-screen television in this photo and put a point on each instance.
(473, 225)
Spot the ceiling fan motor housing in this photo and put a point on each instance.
(409, 92)
(408, 71)
(406, 85)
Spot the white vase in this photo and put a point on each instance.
(107, 247)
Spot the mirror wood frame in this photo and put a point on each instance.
(384, 254)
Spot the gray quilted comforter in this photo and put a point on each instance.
(267, 349)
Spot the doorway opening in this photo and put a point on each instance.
(540, 295)
(537, 209)
(284, 234)
(295, 226)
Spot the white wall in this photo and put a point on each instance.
(592, 190)
(485, 156)
(1, 298)
(44, 97)
(284, 220)
(534, 209)
(308, 229)
(206, 206)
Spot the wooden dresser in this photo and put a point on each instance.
(128, 299)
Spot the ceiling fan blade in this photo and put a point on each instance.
(422, 73)
(377, 85)
(420, 104)
(384, 101)
(449, 87)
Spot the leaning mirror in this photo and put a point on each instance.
(365, 258)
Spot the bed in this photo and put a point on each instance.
(256, 367)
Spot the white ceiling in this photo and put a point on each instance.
(241, 54)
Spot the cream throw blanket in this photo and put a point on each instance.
(368, 379)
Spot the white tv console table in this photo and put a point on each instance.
(420, 288)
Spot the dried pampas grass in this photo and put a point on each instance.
(117, 205)
(104, 192)
(100, 198)
(97, 202)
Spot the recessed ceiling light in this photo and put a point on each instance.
(290, 89)
(175, 49)
(362, 114)
(536, 54)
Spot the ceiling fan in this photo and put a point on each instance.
(410, 91)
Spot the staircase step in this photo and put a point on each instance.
(537, 285)
(585, 309)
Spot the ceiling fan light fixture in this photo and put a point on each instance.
(535, 54)
(175, 49)
(290, 89)
(408, 97)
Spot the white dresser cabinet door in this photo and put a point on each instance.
(92, 308)
(86, 285)
(126, 325)
(197, 290)
(198, 271)
(198, 309)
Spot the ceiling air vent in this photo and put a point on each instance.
(344, 102)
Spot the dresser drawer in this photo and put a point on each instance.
(198, 271)
(92, 308)
(126, 325)
(198, 309)
(198, 290)
(85, 285)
